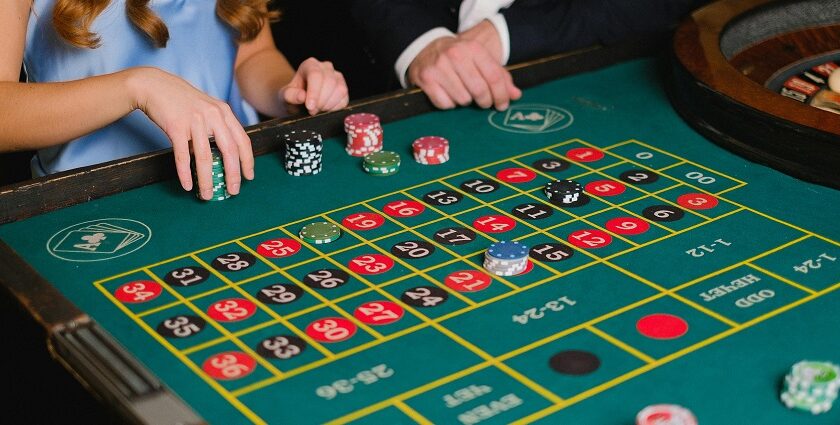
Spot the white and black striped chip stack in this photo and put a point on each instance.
(563, 191)
(303, 154)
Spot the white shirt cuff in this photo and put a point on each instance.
(498, 20)
(414, 49)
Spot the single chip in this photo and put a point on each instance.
(670, 414)
(320, 232)
(383, 159)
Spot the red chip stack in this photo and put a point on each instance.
(364, 134)
(431, 150)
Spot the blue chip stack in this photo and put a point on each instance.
(506, 258)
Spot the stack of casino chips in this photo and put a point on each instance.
(431, 150)
(220, 192)
(811, 386)
(506, 258)
(320, 232)
(563, 192)
(303, 152)
(364, 134)
(661, 414)
(383, 163)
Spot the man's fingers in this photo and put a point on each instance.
(474, 80)
(497, 79)
(444, 74)
(438, 96)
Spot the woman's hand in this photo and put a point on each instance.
(189, 117)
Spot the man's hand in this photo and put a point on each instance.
(465, 69)
(317, 86)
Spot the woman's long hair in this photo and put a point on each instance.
(72, 19)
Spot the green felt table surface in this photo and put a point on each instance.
(754, 277)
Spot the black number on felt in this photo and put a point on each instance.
(479, 186)
(455, 235)
(638, 176)
(233, 262)
(181, 326)
(663, 213)
(281, 347)
(280, 294)
(532, 211)
(551, 165)
(442, 197)
(326, 278)
(412, 250)
(424, 296)
(551, 252)
(187, 276)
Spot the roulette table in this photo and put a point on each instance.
(684, 274)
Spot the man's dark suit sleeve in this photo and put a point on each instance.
(391, 25)
(542, 27)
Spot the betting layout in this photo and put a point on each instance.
(398, 317)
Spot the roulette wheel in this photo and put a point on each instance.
(753, 76)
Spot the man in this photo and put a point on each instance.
(455, 51)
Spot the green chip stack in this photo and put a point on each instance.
(220, 192)
(382, 163)
(320, 232)
(811, 386)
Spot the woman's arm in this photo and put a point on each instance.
(29, 111)
(268, 82)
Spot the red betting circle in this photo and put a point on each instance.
(662, 326)
(467, 281)
(516, 175)
(138, 291)
(584, 154)
(331, 329)
(371, 264)
(278, 248)
(231, 310)
(589, 238)
(494, 224)
(627, 225)
(363, 221)
(229, 365)
(697, 201)
(605, 188)
(403, 208)
(379, 312)
(528, 268)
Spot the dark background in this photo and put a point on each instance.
(38, 389)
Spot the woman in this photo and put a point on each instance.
(114, 78)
